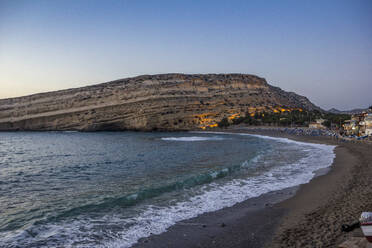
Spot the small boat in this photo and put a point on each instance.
(366, 225)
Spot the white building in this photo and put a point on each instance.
(367, 122)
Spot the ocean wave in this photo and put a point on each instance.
(193, 138)
(214, 197)
(277, 139)
(144, 194)
(155, 219)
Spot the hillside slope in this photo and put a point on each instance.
(149, 102)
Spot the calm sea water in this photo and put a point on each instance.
(109, 189)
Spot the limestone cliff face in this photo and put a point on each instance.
(149, 102)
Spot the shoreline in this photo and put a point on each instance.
(293, 217)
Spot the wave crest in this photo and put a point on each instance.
(192, 138)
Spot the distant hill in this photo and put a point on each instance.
(149, 102)
(349, 112)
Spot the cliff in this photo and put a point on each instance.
(149, 102)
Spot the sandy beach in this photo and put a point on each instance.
(309, 215)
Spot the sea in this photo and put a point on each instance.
(110, 189)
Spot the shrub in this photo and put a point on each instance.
(224, 122)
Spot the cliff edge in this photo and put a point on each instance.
(148, 102)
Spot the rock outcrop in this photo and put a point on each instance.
(149, 102)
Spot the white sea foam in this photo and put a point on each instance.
(193, 138)
(277, 139)
(212, 197)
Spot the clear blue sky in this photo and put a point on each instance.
(321, 49)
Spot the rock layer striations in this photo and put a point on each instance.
(149, 102)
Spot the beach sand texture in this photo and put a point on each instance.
(318, 210)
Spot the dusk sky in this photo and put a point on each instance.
(320, 49)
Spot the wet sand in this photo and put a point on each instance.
(309, 215)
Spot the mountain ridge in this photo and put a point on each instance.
(172, 101)
(349, 112)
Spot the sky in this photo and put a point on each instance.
(321, 49)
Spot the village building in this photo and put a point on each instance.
(366, 124)
(351, 127)
(359, 125)
(318, 124)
